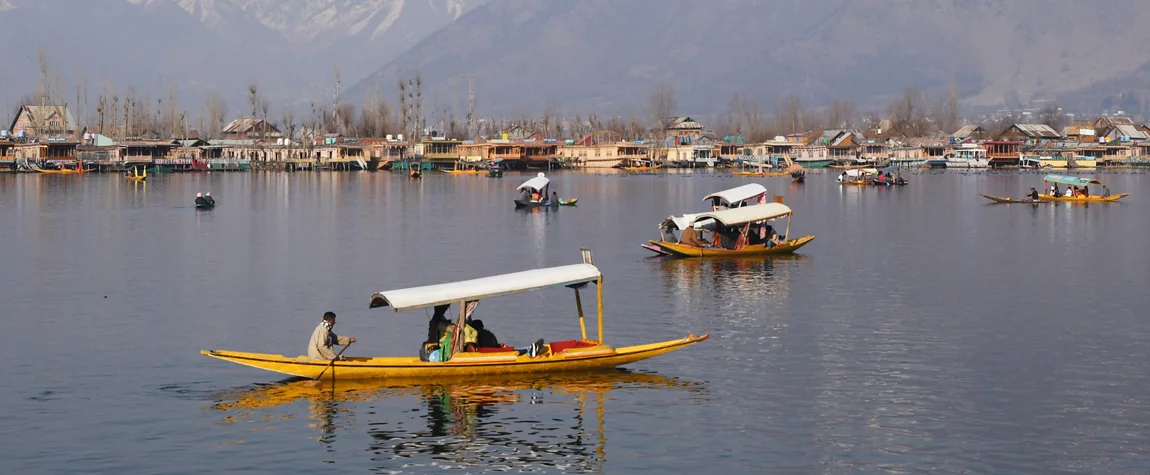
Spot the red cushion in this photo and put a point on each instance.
(501, 349)
(560, 346)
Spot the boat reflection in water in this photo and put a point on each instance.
(494, 424)
(767, 277)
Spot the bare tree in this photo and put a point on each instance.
(418, 102)
(907, 114)
(217, 112)
(661, 105)
(253, 100)
(1052, 116)
(789, 115)
(265, 106)
(403, 107)
(470, 107)
(841, 114)
(335, 96)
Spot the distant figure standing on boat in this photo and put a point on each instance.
(200, 200)
(209, 200)
(324, 338)
(555, 198)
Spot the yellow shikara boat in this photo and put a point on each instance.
(858, 176)
(760, 171)
(63, 171)
(742, 221)
(466, 168)
(1084, 182)
(639, 165)
(138, 175)
(558, 356)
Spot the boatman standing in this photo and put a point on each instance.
(323, 339)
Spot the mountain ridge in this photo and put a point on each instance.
(602, 55)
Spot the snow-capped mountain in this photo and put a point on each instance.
(287, 46)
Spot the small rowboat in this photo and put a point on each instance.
(999, 199)
(582, 354)
(539, 186)
(1083, 182)
(545, 204)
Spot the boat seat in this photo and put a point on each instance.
(561, 346)
(499, 349)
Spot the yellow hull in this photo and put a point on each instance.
(593, 358)
(1084, 199)
(62, 172)
(465, 172)
(1063, 164)
(764, 174)
(642, 169)
(785, 247)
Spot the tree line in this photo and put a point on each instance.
(128, 113)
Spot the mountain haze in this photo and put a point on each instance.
(288, 47)
(602, 55)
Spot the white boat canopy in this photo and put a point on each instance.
(739, 193)
(681, 222)
(746, 214)
(856, 172)
(535, 184)
(485, 287)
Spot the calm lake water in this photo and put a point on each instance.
(923, 330)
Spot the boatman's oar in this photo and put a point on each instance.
(319, 382)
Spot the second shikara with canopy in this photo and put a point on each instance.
(1081, 182)
(738, 196)
(583, 354)
(736, 232)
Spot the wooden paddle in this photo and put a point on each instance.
(319, 382)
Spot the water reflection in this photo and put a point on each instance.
(494, 424)
(751, 280)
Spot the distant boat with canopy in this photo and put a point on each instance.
(1084, 183)
(536, 194)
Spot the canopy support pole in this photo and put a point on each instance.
(579, 305)
(787, 233)
(599, 288)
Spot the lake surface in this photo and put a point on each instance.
(923, 330)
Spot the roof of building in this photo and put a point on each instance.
(968, 130)
(1129, 130)
(1037, 131)
(924, 141)
(243, 126)
(1115, 121)
(682, 122)
(40, 112)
